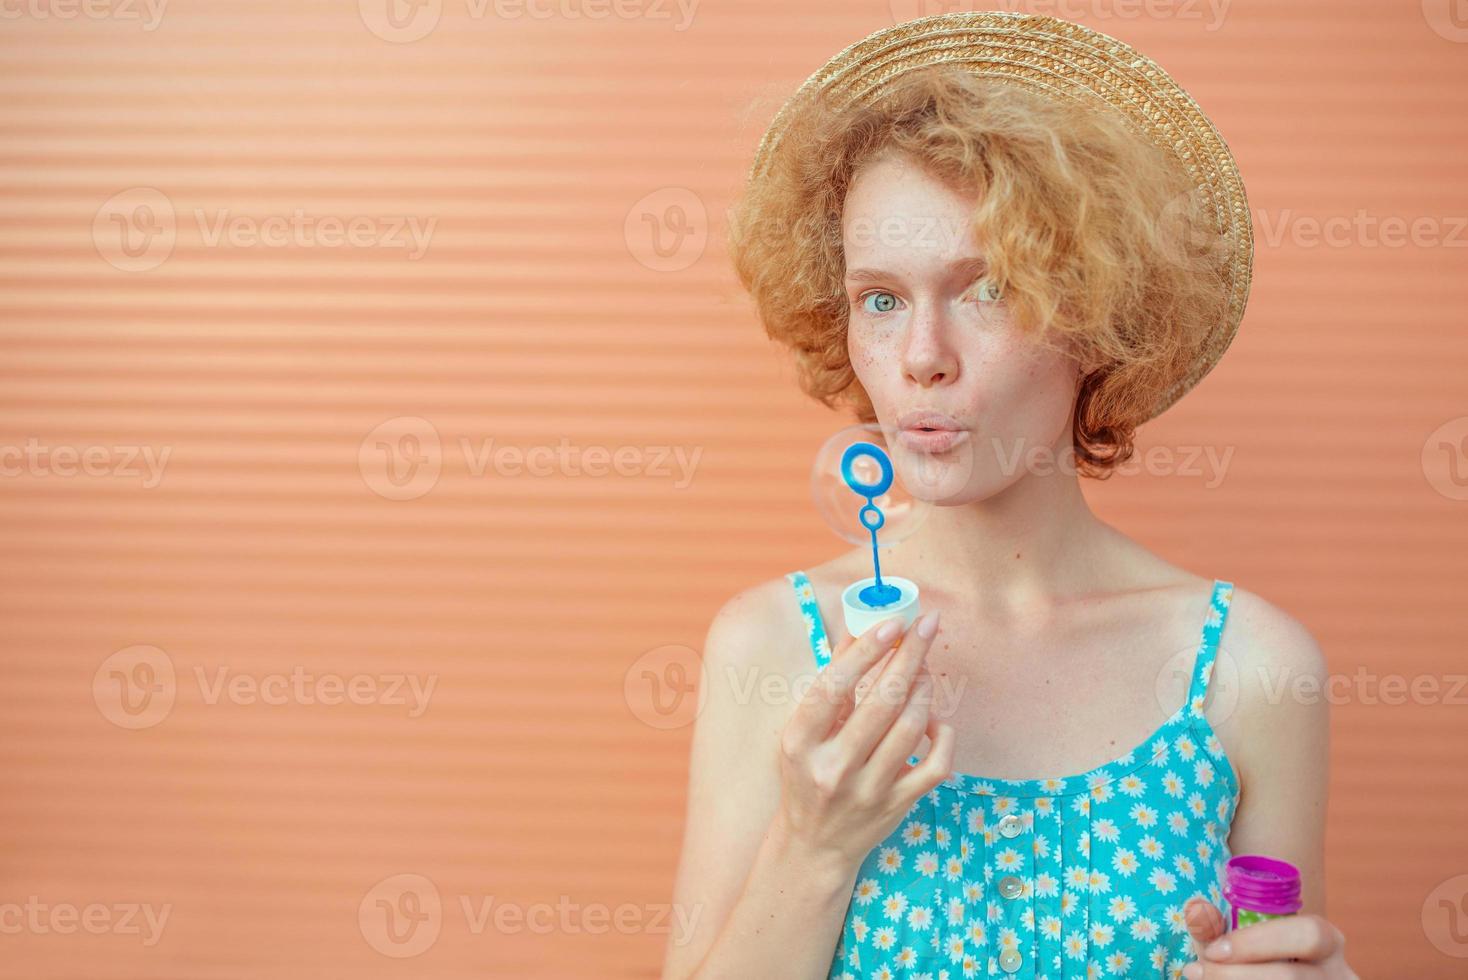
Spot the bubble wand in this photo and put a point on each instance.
(871, 600)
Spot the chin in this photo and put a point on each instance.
(936, 478)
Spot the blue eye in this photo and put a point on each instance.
(886, 302)
(985, 291)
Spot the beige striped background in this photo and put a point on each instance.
(207, 223)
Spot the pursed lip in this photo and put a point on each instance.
(925, 419)
(927, 431)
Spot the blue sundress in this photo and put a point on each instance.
(1080, 876)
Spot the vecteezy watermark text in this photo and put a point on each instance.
(1363, 686)
(565, 459)
(148, 12)
(665, 687)
(302, 230)
(402, 459)
(406, 21)
(137, 230)
(403, 915)
(1207, 462)
(304, 687)
(136, 687)
(1211, 13)
(36, 459)
(38, 918)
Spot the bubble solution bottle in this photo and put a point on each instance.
(1259, 888)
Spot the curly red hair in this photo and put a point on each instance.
(1078, 215)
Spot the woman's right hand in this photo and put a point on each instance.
(846, 784)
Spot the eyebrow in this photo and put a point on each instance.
(971, 265)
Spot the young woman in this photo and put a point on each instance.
(1008, 281)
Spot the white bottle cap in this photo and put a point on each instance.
(861, 617)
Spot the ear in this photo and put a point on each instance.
(1085, 359)
(1089, 362)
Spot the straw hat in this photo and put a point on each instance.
(1055, 57)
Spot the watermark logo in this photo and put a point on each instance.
(1445, 459)
(664, 687)
(135, 687)
(1447, 18)
(1189, 233)
(401, 459)
(401, 916)
(400, 21)
(667, 230)
(1219, 678)
(135, 230)
(1445, 917)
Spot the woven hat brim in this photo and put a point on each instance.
(1060, 58)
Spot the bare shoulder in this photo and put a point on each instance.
(761, 611)
(1277, 735)
(1275, 723)
(760, 628)
(746, 695)
(1268, 644)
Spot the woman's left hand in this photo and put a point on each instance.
(1294, 946)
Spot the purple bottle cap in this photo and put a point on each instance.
(1263, 884)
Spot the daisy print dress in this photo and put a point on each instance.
(1068, 877)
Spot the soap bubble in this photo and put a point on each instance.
(840, 506)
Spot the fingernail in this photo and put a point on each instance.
(928, 625)
(1193, 971)
(887, 632)
(1218, 949)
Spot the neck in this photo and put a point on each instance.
(1033, 544)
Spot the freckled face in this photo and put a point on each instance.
(929, 331)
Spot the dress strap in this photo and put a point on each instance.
(820, 645)
(1218, 605)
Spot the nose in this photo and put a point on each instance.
(928, 357)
